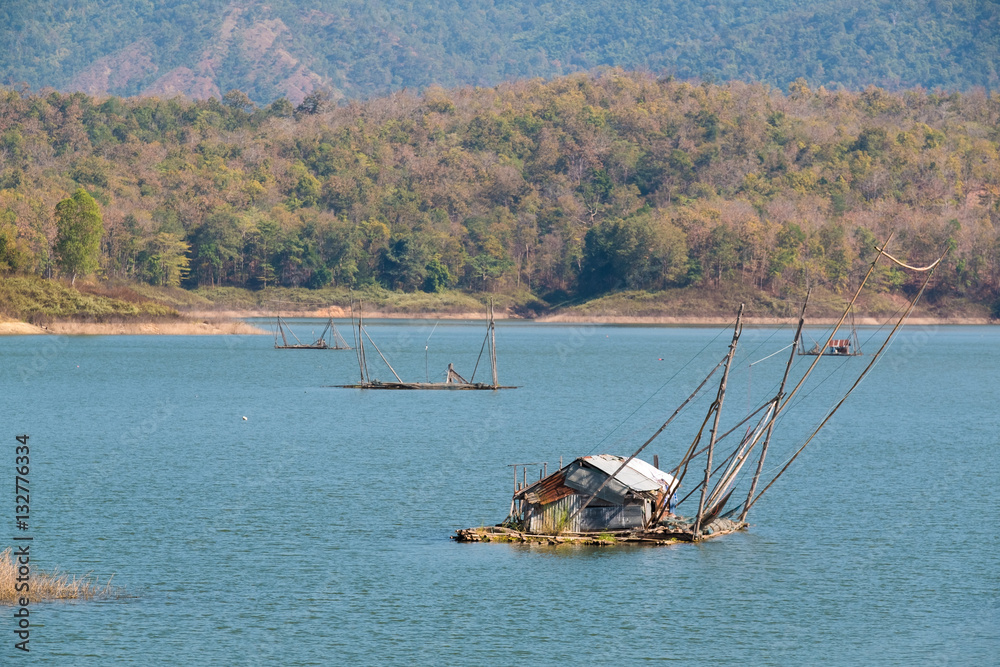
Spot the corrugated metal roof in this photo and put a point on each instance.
(637, 475)
(586, 474)
(587, 479)
(648, 470)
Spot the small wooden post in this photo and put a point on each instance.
(656, 461)
(525, 475)
(545, 469)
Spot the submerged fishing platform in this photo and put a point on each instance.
(329, 339)
(453, 380)
(607, 499)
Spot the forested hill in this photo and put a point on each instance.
(274, 48)
(580, 185)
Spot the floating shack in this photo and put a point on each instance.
(590, 502)
(630, 500)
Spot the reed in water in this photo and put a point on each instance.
(49, 585)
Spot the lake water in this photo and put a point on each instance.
(316, 531)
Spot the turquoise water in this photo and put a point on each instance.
(316, 530)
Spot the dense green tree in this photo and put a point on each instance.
(635, 253)
(315, 102)
(78, 240)
(167, 261)
(436, 276)
(403, 263)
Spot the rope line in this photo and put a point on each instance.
(771, 355)
(653, 395)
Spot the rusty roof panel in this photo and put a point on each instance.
(548, 490)
(586, 474)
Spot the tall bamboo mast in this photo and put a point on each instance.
(717, 406)
(840, 322)
(362, 359)
(359, 343)
(780, 407)
(777, 400)
(493, 347)
(643, 446)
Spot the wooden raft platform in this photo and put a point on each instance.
(660, 535)
(452, 386)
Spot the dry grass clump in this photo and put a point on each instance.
(181, 327)
(49, 585)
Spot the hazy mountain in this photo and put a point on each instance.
(274, 48)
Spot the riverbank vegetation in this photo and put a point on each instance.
(562, 191)
(34, 299)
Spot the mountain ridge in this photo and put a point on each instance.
(284, 49)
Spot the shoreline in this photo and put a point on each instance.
(750, 321)
(232, 322)
(220, 327)
(573, 318)
(339, 313)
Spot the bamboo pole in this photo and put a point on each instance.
(677, 472)
(391, 370)
(644, 445)
(493, 346)
(780, 408)
(777, 400)
(840, 322)
(734, 463)
(729, 460)
(359, 341)
(715, 425)
(722, 437)
(364, 358)
(861, 377)
(486, 339)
